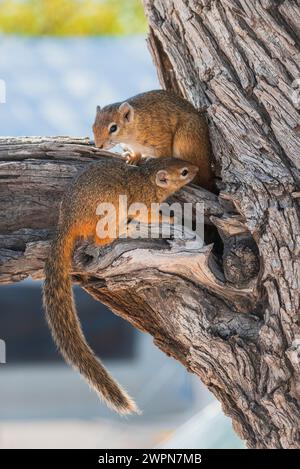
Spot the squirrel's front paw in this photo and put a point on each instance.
(131, 158)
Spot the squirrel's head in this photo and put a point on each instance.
(170, 174)
(113, 125)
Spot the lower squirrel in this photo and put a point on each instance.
(103, 182)
(158, 124)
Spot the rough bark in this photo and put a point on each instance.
(240, 59)
(176, 290)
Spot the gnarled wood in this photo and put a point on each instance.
(240, 59)
(173, 289)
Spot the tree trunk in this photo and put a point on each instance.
(237, 329)
(241, 60)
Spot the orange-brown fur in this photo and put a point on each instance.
(102, 182)
(160, 124)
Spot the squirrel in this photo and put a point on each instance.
(158, 124)
(151, 182)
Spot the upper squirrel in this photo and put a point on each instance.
(159, 124)
(103, 182)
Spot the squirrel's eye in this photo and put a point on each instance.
(113, 128)
(184, 172)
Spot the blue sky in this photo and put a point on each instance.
(53, 85)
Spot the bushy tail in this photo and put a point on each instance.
(66, 329)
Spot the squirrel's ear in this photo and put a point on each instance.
(127, 111)
(162, 178)
(98, 109)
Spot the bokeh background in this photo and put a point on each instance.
(59, 59)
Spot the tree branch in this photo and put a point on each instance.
(172, 289)
(240, 60)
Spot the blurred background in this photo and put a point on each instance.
(59, 59)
